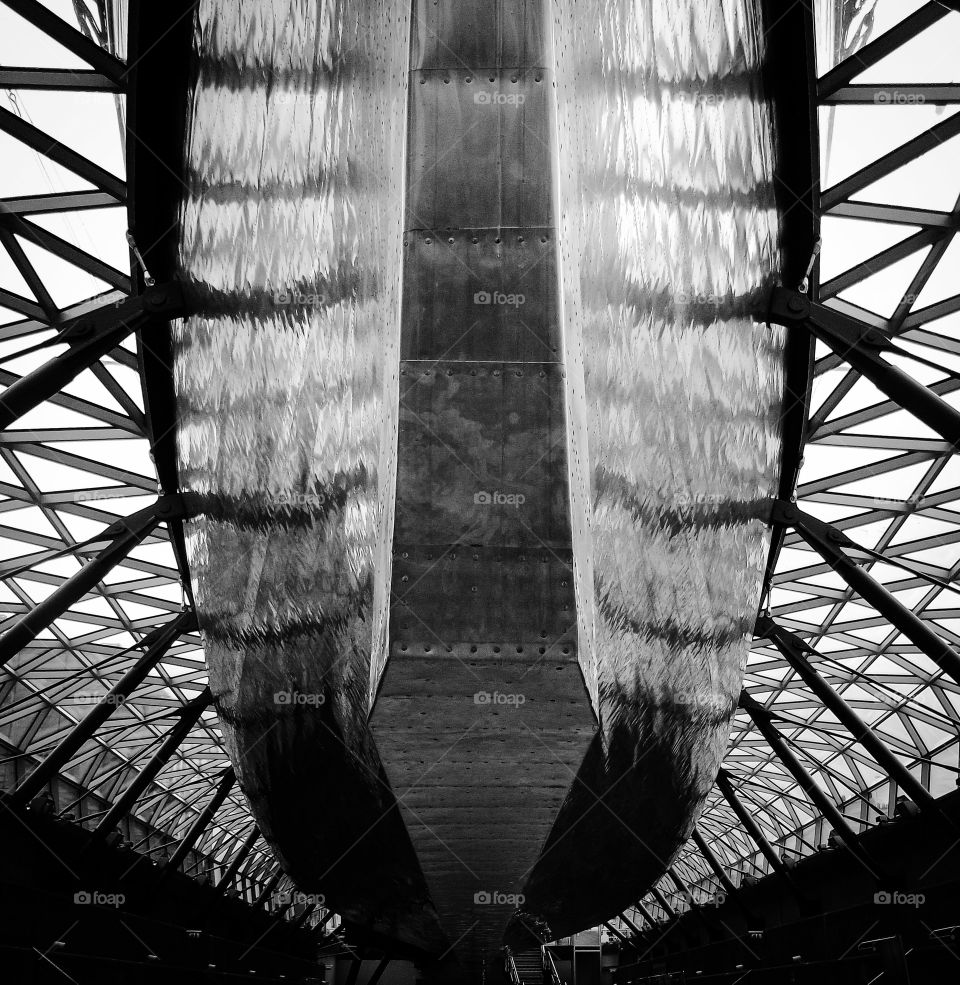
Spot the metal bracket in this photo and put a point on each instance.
(862, 347)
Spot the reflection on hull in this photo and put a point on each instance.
(630, 403)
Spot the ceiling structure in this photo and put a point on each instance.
(74, 464)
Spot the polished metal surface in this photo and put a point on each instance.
(482, 716)
(287, 394)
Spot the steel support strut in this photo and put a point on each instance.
(269, 886)
(707, 852)
(793, 647)
(189, 716)
(762, 718)
(827, 541)
(664, 903)
(242, 852)
(203, 819)
(634, 929)
(90, 337)
(124, 536)
(155, 646)
(621, 937)
(861, 346)
(752, 828)
(378, 971)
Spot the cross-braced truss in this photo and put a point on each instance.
(75, 463)
(889, 116)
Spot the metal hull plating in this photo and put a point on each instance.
(669, 234)
(287, 395)
(477, 577)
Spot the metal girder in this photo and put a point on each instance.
(762, 718)
(711, 859)
(750, 825)
(378, 971)
(90, 337)
(861, 346)
(189, 716)
(61, 154)
(268, 888)
(827, 540)
(202, 820)
(56, 202)
(155, 646)
(621, 937)
(76, 41)
(664, 903)
(885, 165)
(238, 859)
(794, 649)
(123, 535)
(879, 48)
(80, 80)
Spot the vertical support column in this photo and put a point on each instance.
(155, 646)
(189, 716)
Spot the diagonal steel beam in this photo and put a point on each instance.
(124, 536)
(155, 646)
(861, 346)
(202, 820)
(242, 852)
(794, 649)
(76, 41)
(879, 48)
(827, 541)
(91, 337)
(752, 828)
(189, 716)
(763, 720)
(61, 154)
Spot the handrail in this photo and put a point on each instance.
(511, 969)
(550, 967)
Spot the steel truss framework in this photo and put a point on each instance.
(75, 470)
(75, 465)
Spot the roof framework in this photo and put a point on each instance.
(78, 462)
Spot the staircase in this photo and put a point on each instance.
(529, 965)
